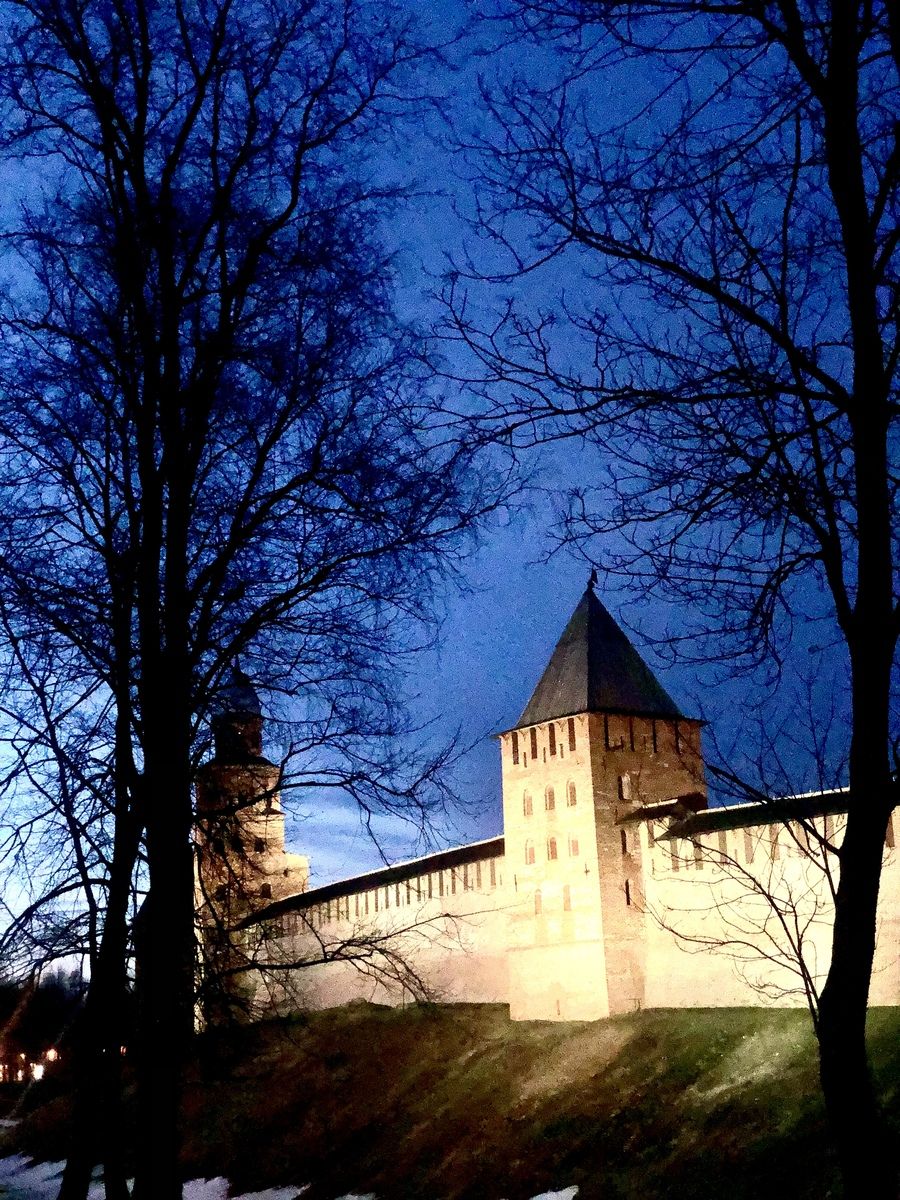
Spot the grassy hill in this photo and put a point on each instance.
(458, 1102)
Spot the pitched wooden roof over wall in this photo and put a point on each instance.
(595, 668)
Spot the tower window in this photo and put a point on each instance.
(493, 873)
(653, 735)
(551, 849)
(551, 730)
(265, 891)
(515, 748)
(624, 787)
(527, 806)
(723, 846)
(572, 734)
(549, 799)
(534, 743)
(573, 847)
(529, 852)
(698, 855)
(571, 797)
(538, 903)
(627, 893)
(624, 839)
(260, 845)
(889, 833)
(567, 899)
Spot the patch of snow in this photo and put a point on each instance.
(568, 1193)
(22, 1179)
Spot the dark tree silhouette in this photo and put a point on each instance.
(723, 181)
(215, 438)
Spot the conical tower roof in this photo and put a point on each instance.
(595, 668)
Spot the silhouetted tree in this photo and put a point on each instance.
(721, 179)
(216, 439)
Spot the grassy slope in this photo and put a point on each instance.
(459, 1102)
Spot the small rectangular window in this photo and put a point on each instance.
(453, 881)
(534, 743)
(572, 734)
(430, 887)
(723, 847)
(493, 873)
(440, 883)
(748, 845)
(551, 730)
(624, 838)
(773, 842)
(356, 906)
(367, 903)
(674, 846)
(567, 899)
(515, 748)
(375, 894)
(627, 893)
(397, 894)
(889, 833)
(387, 896)
(465, 877)
(478, 876)
(698, 855)
(408, 892)
(573, 847)
(653, 736)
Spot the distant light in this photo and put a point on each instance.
(37, 1070)
(52, 1054)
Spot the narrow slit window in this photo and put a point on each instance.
(623, 836)
(538, 903)
(551, 849)
(723, 847)
(515, 748)
(529, 852)
(567, 899)
(534, 743)
(549, 799)
(571, 735)
(749, 846)
(698, 855)
(571, 795)
(527, 804)
(551, 732)
(889, 832)
(573, 846)
(493, 873)
(628, 893)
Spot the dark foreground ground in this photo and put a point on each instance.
(458, 1102)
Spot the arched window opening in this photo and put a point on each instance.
(573, 846)
(265, 891)
(571, 795)
(529, 852)
(527, 805)
(549, 799)
(551, 849)
(538, 903)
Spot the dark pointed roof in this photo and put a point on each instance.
(595, 668)
(239, 695)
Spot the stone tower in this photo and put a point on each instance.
(599, 741)
(241, 860)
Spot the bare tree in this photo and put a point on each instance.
(722, 181)
(216, 440)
